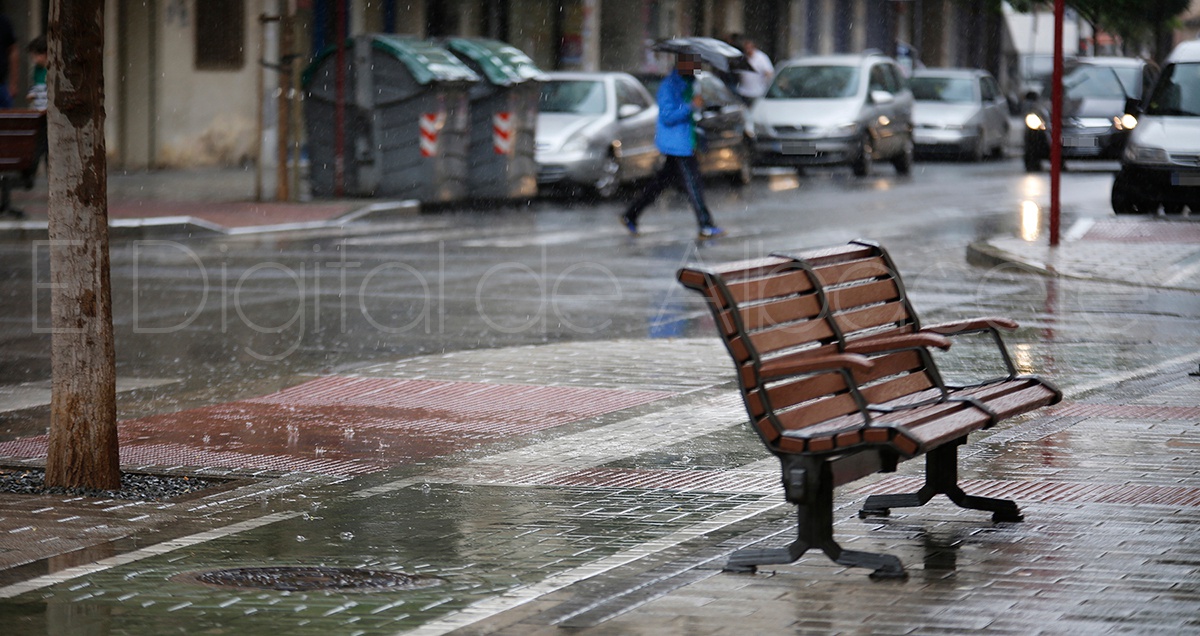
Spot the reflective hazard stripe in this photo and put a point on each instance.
(502, 133)
(431, 125)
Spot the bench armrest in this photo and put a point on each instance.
(990, 326)
(972, 325)
(797, 364)
(883, 344)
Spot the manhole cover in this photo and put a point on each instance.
(303, 579)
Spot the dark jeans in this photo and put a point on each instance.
(682, 172)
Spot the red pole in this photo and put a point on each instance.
(1055, 123)
(339, 101)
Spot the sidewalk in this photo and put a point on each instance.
(592, 488)
(205, 201)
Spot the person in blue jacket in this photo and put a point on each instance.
(675, 136)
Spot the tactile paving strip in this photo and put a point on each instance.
(1144, 232)
(341, 426)
(1130, 411)
(1054, 492)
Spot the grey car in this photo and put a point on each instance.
(959, 112)
(835, 110)
(595, 130)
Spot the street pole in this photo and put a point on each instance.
(339, 100)
(1056, 99)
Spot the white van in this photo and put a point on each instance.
(1161, 162)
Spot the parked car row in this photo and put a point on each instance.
(596, 130)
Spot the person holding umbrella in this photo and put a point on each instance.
(675, 136)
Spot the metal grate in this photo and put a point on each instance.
(306, 579)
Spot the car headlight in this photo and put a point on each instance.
(1125, 122)
(1033, 121)
(576, 144)
(1145, 154)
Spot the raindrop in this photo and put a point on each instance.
(346, 536)
(301, 538)
(425, 489)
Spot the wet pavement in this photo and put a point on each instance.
(598, 487)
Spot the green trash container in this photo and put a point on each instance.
(407, 120)
(504, 109)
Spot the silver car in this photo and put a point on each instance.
(595, 130)
(960, 112)
(835, 110)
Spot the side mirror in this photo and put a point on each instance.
(882, 97)
(628, 110)
(1133, 106)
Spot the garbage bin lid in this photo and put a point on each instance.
(427, 61)
(503, 64)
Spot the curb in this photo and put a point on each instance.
(984, 254)
(175, 226)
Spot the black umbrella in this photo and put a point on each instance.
(720, 55)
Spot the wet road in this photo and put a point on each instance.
(195, 312)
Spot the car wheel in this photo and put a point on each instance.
(610, 178)
(903, 162)
(863, 162)
(1125, 202)
(1172, 207)
(1033, 163)
(975, 155)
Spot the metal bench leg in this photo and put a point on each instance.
(941, 477)
(814, 530)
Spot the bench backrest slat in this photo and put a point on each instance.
(19, 132)
(818, 411)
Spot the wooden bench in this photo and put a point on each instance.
(22, 134)
(837, 376)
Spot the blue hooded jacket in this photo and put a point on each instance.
(674, 134)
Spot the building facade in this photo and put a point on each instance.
(199, 82)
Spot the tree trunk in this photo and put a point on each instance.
(83, 449)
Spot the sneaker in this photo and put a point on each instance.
(630, 225)
(711, 231)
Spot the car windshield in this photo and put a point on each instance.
(955, 90)
(1098, 82)
(1177, 93)
(578, 97)
(814, 82)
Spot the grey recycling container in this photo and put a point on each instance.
(406, 123)
(504, 109)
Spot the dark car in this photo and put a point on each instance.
(1094, 96)
(725, 148)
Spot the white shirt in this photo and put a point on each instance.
(754, 83)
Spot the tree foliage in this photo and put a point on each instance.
(1137, 22)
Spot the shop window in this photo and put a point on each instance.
(220, 35)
